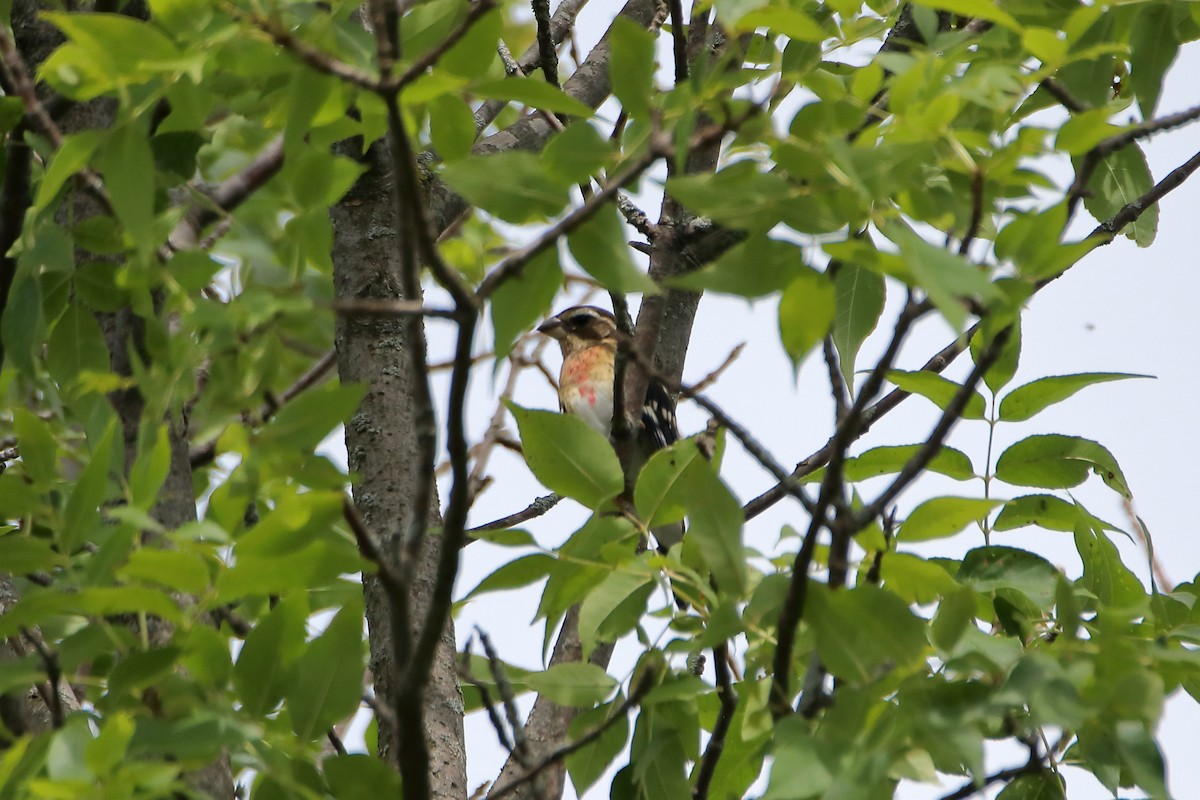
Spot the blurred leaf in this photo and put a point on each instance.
(1026, 401)
(631, 65)
(1054, 461)
(175, 569)
(577, 685)
(600, 248)
(806, 313)
(76, 345)
(83, 506)
(535, 93)
(1034, 786)
(756, 267)
(512, 185)
(327, 683)
(988, 569)
(308, 418)
(358, 776)
(1001, 372)
(568, 457)
(577, 153)
(799, 768)
(946, 277)
(524, 299)
(861, 631)
(1153, 45)
(915, 579)
(451, 127)
(614, 607)
(128, 168)
(267, 660)
(944, 516)
(1104, 574)
(39, 455)
(471, 56)
(860, 297)
(954, 614)
(1043, 510)
(588, 763)
(149, 471)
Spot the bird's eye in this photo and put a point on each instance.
(579, 320)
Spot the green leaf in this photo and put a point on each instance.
(1104, 573)
(988, 569)
(535, 93)
(715, 525)
(915, 579)
(954, 614)
(39, 455)
(1001, 372)
(631, 65)
(660, 494)
(586, 764)
(944, 516)
(76, 345)
(24, 554)
(756, 267)
(451, 127)
(744, 197)
(475, 52)
(573, 684)
(946, 277)
(1141, 756)
(792, 23)
(128, 167)
(1054, 461)
(523, 299)
(175, 569)
(982, 9)
(267, 660)
(568, 457)
(327, 683)
(1026, 401)
(577, 153)
(806, 313)
(1120, 179)
(889, 460)
(526, 192)
(600, 248)
(307, 419)
(149, 471)
(82, 514)
(799, 767)
(515, 574)
(860, 297)
(76, 151)
(358, 776)
(863, 630)
(614, 607)
(937, 389)
(1153, 45)
(1034, 786)
(1043, 510)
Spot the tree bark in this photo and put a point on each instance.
(380, 440)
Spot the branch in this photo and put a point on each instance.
(547, 49)
(53, 675)
(1054, 88)
(716, 742)
(520, 746)
(14, 202)
(643, 687)
(532, 511)
(679, 42)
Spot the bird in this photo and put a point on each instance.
(588, 337)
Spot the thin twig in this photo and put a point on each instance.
(53, 669)
(547, 49)
(520, 747)
(532, 511)
(712, 377)
(716, 743)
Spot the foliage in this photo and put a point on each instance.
(200, 210)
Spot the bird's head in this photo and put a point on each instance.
(580, 327)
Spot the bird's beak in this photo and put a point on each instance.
(553, 328)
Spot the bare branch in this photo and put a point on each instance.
(534, 510)
(716, 743)
(1054, 87)
(547, 49)
(679, 42)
